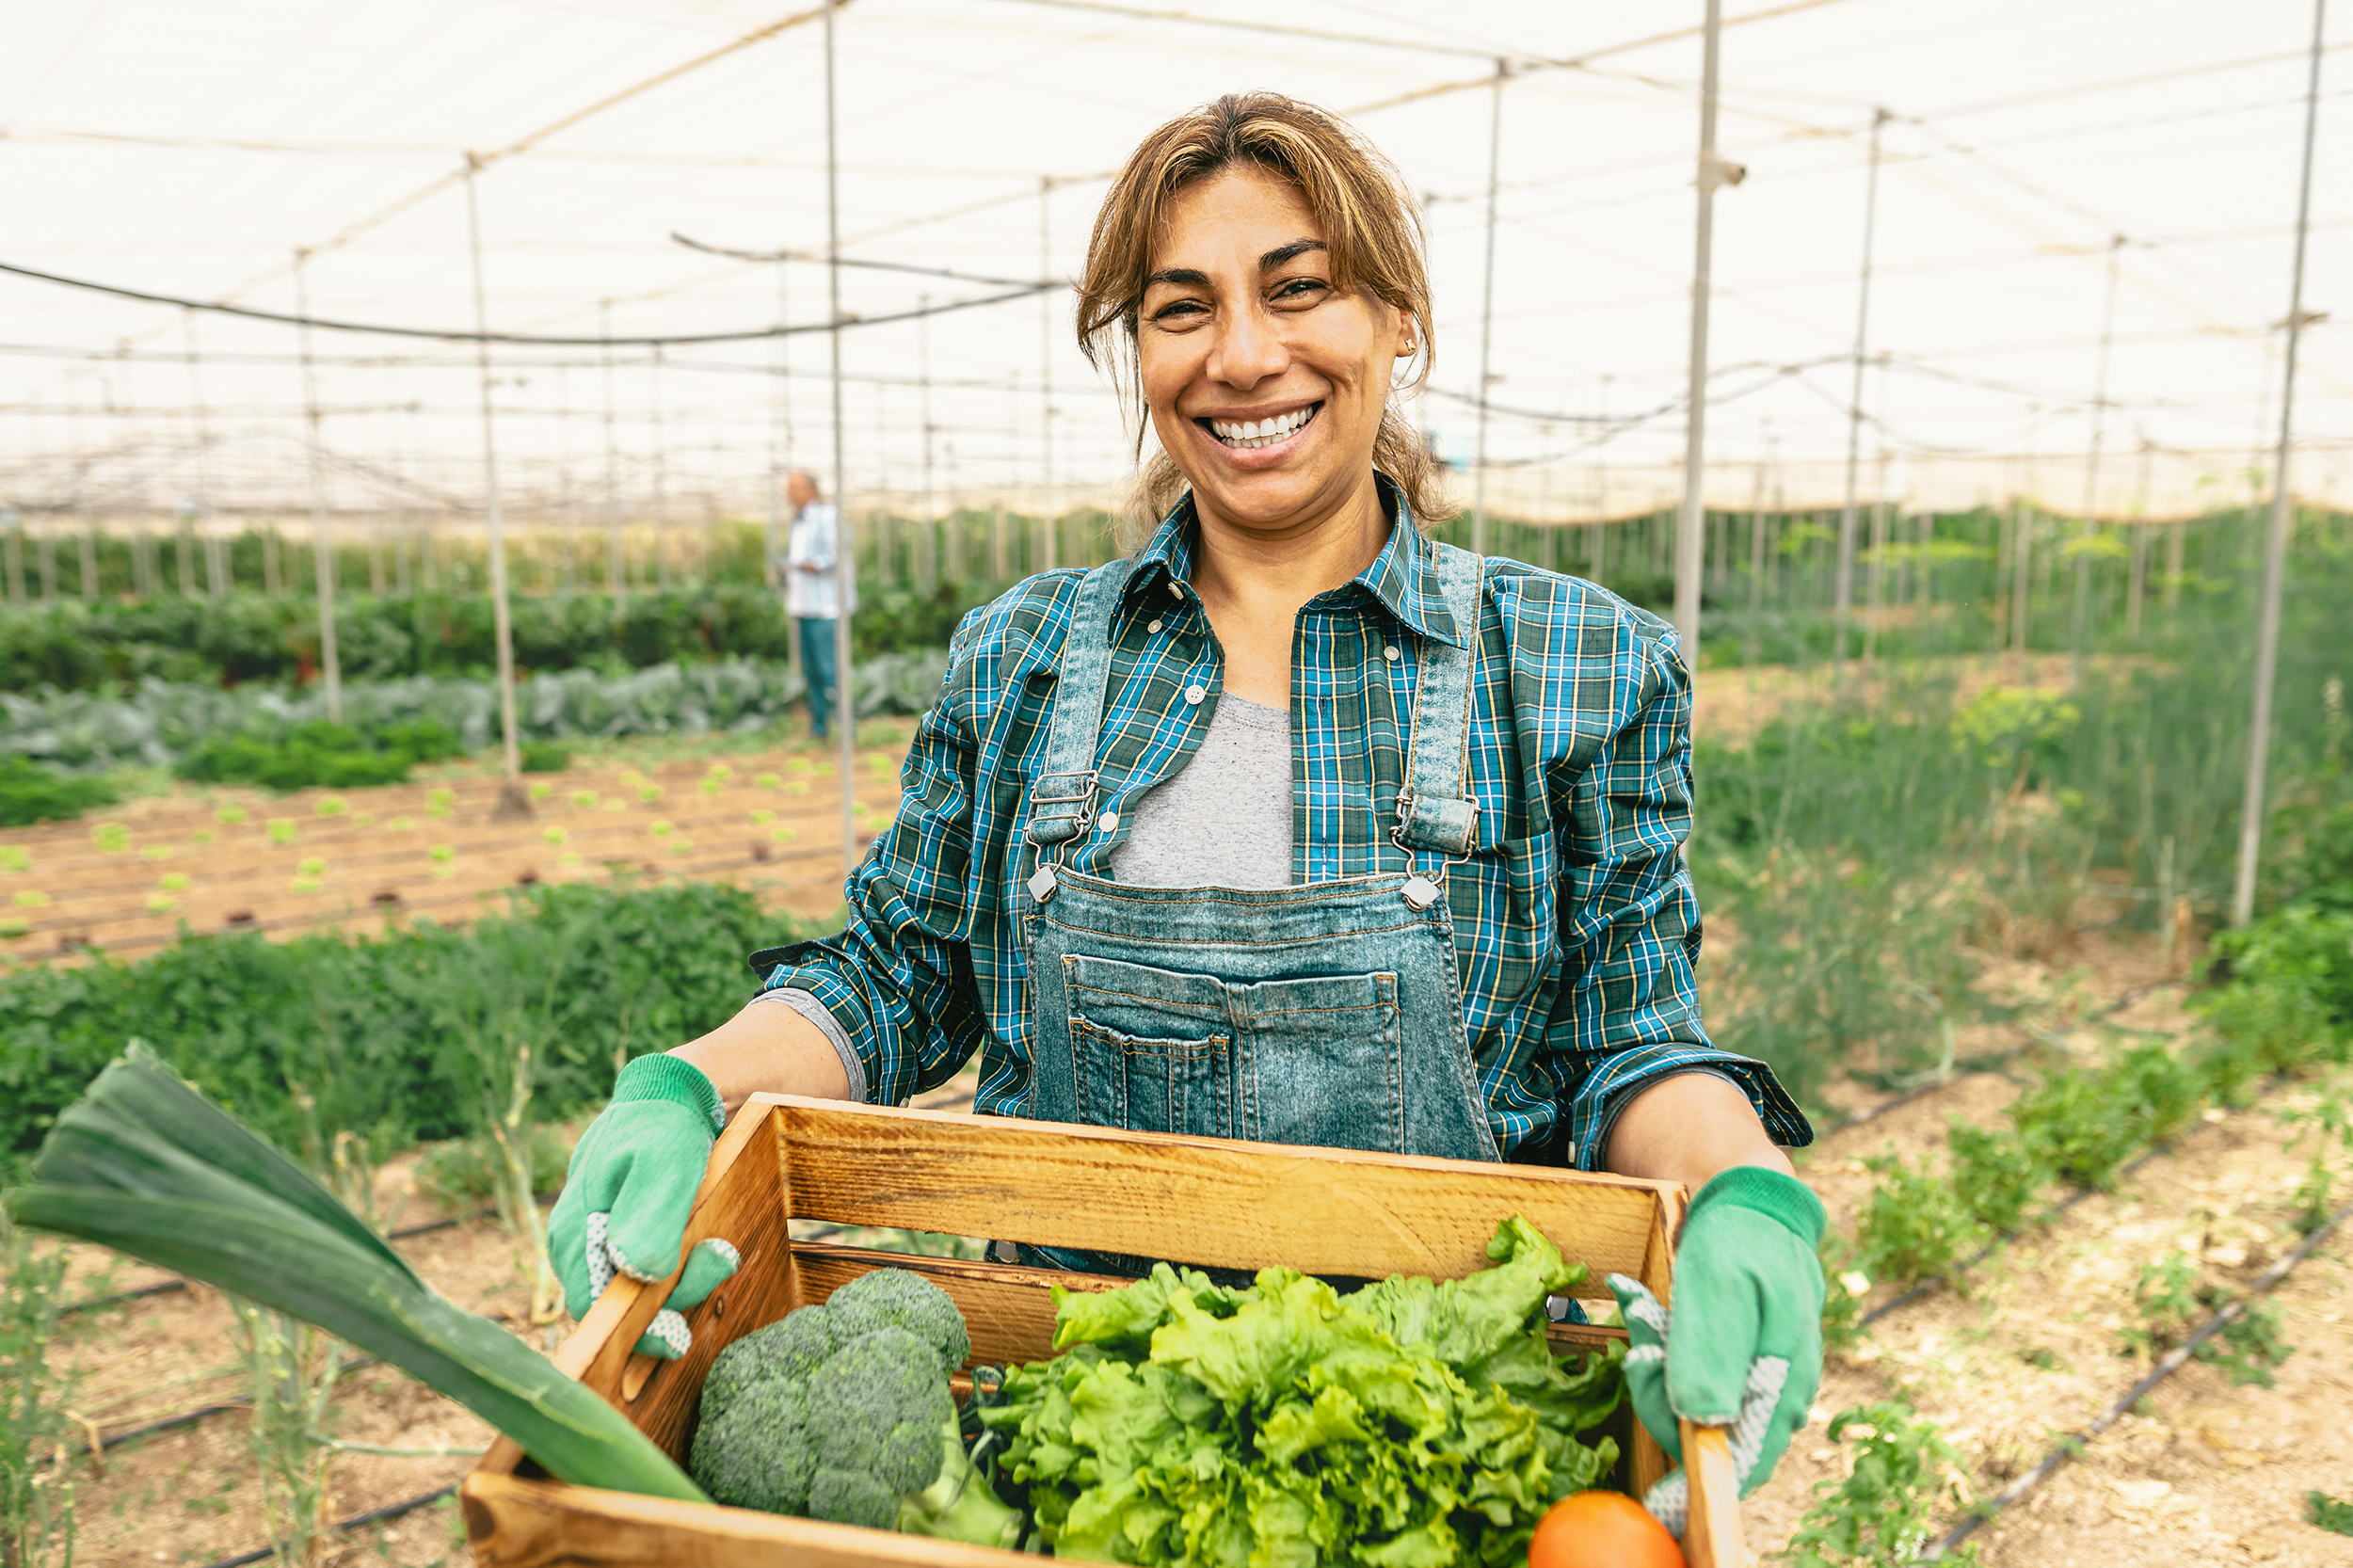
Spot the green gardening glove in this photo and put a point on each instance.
(628, 1195)
(1746, 1330)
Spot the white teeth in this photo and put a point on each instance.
(1251, 434)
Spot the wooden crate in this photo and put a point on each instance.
(1238, 1206)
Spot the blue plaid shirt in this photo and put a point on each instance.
(1576, 925)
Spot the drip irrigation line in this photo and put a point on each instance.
(1932, 1284)
(358, 1521)
(2175, 1359)
(189, 1418)
(1959, 1070)
(452, 335)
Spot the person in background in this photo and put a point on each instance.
(812, 592)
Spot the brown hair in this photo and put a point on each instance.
(1368, 219)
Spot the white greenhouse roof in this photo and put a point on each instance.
(189, 151)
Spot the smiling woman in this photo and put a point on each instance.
(1291, 826)
(1340, 286)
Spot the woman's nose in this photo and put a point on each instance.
(1249, 350)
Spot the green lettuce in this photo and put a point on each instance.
(1413, 1424)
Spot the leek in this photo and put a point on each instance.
(146, 1165)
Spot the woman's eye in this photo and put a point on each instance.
(1176, 309)
(1299, 290)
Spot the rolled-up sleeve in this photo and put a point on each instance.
(1628, 1013)
(897, 979)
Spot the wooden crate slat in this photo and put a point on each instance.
(535, 1524)
(1009, 1310)
(1197, 1200)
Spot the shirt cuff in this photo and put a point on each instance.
(815, 1012)
(1614, 1107)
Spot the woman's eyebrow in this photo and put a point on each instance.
(1282, 253)
(1184, 276)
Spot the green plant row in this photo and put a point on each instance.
(111, 646)
(380, 1035)
(167, 726)
(2285, 1009)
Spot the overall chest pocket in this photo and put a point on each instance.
(1312, 1061)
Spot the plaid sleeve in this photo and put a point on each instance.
(898, 978)
(1629, 1008)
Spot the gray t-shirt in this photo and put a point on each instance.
(1224, 820)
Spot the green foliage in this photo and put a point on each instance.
(2085, 1124)
(317, 753)
(2330, 1513)
(2171, 1302)
(1844, 1287)
(373, 1025)
(1881, 1513)
(290, 1369)
(246, 637)
(546, 756)
(30, 794)
(36, 1480)
(1914, 1224)
(462, 1175)
(1996, 1174)
(1412, 1423)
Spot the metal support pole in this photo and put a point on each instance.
(1844, 612)
(661, 484)
(2079, 624)
(513, 800)
(772, 561)
(1045, 371)
(1487, 317)
(215, 567)
(616, 567)
(2250, 827)
(845, 554)
(928, 570)
(1714, 172)
(321, 548)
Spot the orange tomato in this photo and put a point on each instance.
(1602, 1530)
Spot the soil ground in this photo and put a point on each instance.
(212, 859)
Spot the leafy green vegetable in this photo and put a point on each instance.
(842, 1411)
(148, 1167)
(1412, 1425)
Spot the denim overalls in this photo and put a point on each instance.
(1328, 1014)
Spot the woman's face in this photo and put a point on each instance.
(1266, 383)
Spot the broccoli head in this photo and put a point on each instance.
(893, 1298)
(842, 1411)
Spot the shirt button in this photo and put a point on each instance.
(1177, 590)
(1194, 694)
(1110, 821)
(1390, 653)
(1154, 627)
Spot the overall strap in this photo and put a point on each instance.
(1435, 811)
(1062, 800)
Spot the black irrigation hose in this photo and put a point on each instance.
(189, 1418)
(358, 1521)
(1983, 1064)
(1932, 1282)
(2174, 1360)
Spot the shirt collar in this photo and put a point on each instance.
(1403, 578)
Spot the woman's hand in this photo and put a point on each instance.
(631, 1185)
(1746, 1347)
